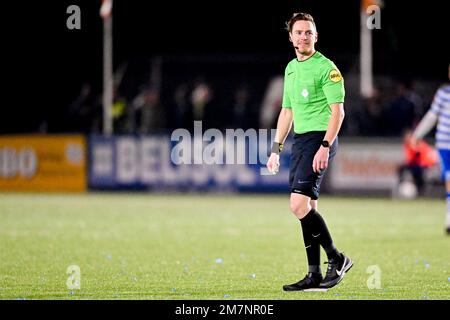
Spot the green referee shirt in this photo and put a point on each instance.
(310, 87)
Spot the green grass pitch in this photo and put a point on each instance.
(204, 246)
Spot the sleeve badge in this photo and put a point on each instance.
(335, 75)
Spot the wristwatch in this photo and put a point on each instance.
(325, 144)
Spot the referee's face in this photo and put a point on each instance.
(304, 36)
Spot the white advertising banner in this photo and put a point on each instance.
(366, 166)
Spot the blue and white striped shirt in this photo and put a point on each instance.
(441, 108)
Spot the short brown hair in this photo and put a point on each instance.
(298, 16)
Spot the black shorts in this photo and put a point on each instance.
(302, 178)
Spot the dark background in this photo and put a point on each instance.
(46, 64)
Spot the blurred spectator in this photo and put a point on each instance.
(271, 103)
(419, 157)
(150, 114)
(118, 112)
(203, 108)
(402, 111)
(242, 108)
(419, 105)
(82, 111)
(182, 109)
(370, 116)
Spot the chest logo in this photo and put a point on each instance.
(305, 93)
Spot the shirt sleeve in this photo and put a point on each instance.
(286, 99)
(333, 84)
(436, 105)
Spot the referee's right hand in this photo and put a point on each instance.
(273, 164)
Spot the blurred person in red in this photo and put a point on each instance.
(419, 157)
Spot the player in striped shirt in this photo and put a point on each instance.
(439, 113)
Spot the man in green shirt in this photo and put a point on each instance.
(313, 100)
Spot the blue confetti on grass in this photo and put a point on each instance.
(219, 260)
(226, 296)
(173, 290)
(448, 278)
(253, 276)
(21, 298)
(109, 256)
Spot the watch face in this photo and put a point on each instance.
(325, 143)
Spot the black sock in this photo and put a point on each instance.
(322, 234)
(314, 269)
(311, 245)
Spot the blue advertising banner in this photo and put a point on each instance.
(177, 162)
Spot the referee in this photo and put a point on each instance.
(313, 100)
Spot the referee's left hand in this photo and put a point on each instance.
(320, 161)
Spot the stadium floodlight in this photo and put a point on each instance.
(368, 8)
(106, 14)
